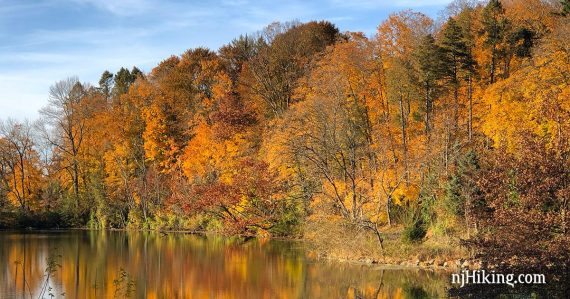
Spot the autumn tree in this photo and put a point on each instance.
(134, 184)
(523, 105)
(398, 39)
(239, 52)
(522, 207)
(18, 161)
(504, 38)
(248, 201)
(330, 136)
(301, 128)
(273, 72)
(180, 89)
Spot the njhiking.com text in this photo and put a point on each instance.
(466, 277)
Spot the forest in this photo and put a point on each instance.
(451, 132)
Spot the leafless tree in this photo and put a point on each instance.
(64, 125)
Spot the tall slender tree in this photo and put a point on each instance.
(430, 69)
(495, 26)
(67, 126)
(458, 61)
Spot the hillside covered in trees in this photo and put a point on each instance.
(454, 131)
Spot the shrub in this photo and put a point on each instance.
(415, 228)
(414, 232)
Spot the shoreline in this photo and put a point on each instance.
(406, 264)
(409, 262)
(401, 263)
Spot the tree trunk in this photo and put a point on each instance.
(470, 121)
(76, 183)
(493, 63)
(23, 184)
(404, 140)
(388, 208)
(428, 107)
(456, 107)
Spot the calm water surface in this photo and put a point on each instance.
(99, 264)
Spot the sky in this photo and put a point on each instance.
(44, 41)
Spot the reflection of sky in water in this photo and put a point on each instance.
(187, 266)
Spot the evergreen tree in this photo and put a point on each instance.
(123, 80)
(106, 83)
(430, 69)
(494, 27)
(458, 60)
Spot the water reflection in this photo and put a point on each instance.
(101, 265)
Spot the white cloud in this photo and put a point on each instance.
(141, 33)
(122, 7)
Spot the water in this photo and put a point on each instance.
(155, 265)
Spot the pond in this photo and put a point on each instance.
(118, 264)
(108, 264)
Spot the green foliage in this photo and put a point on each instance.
(92, 223)
(135, 219)
(494, 22)
(415, 231)
(415, 292)
(106, 83)
(123, 80)
(565, 8)
(41, 220)
(415, 228)
(431, 61)
(124, 285)
(457, 51)
(522, 40)
(174, 221)
(290, 220)
(213, 225)
(454, 200)
(428, 198)
(495, 26)
(460, 187)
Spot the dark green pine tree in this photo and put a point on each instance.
(106, 83)
(123, 80)
(494, 28)
(135, 73)
(430, 60)
(458, 60)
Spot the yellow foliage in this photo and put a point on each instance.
(523, 104)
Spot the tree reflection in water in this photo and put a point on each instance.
(103, 264)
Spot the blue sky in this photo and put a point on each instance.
(43, 41)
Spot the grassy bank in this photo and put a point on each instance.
(340, 241)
